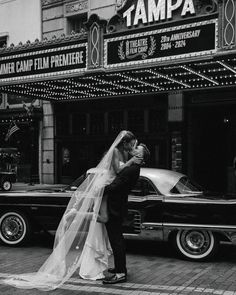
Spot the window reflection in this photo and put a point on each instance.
(185, 185)
(77, 23)
(143, 188)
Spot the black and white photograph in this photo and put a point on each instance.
(118, 147)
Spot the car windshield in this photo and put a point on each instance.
(186, 186)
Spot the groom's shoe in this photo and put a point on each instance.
(113, 270)
(115, 279)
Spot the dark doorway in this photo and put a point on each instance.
(212, 146)
(74, 158)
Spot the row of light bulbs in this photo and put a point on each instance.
(49, 90)
(17, 120)
(142, 91)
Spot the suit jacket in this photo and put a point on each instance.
(119, 189)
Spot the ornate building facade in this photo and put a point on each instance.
(21, 23)
(164, 70)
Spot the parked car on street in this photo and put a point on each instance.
(6, 180)
(163, 206)
(8, 167)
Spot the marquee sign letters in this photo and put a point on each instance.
(42, 62)
(162, 44)
(149, 11)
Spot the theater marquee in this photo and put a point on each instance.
(49, 61)
(171, 43)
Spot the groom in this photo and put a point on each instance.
(117, 193)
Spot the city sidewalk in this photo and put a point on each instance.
(153, 270)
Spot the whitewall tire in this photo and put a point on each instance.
(6, 185)
(14, 228)
(196, 244)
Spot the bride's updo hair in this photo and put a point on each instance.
(127, 137)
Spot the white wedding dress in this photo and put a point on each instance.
(97, 249)
(94, 258)
(81, 244)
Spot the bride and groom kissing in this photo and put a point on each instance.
(91, 227)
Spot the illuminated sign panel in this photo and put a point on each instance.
(139, 13)
(41, 62)
(153, 11)
(176, 42)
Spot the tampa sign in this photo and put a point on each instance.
(149, 11)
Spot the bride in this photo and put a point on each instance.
(94, 259)
(81, 243)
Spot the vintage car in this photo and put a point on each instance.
(8, 167)
(163, 206)
(6, 180)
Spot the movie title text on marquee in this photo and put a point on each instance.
(181, 41)
(46, 62)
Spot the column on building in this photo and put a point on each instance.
(47, 142)
(175, 121)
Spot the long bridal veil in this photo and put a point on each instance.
(72, 232)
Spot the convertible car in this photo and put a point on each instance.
(163, 206)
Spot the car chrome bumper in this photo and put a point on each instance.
(148, 231)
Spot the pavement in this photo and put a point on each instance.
(153, 269)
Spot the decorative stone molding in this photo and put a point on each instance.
(95, 46)
(47, 142)
(51, 2)
(96, 28)
(76, 7)
(229, 24)
(176, 152)
(206, 7)
(175, 107)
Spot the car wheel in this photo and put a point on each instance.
(196, 244)
(6, 185)
(14, 228)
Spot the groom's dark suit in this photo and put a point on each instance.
(117, 200)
